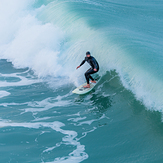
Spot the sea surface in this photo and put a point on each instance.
(41, 44)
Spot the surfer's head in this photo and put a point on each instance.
(88, 54)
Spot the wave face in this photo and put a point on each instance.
(51, 38)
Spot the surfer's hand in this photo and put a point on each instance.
(77, 67)
(95, 69)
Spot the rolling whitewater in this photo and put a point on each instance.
(41, 44)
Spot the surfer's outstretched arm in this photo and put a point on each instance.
(81, 64)
(77, 67)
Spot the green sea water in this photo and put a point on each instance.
(42, 124)
(41, 120)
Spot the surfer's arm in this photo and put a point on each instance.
(77, 67)
(82, 62)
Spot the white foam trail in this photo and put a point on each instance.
(39, 106)
(41, 119)
(23, 80)
(77, 155)
(87, 122)
(77, 119)
(10, 104)
(51, 148)
(4, 93)
(46, 104)
(20, 83)
(85, 133)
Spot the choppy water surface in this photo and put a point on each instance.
(41, 44)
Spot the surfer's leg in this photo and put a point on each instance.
(87, 75)
(91, 78)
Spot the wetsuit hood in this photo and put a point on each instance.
(88, 53)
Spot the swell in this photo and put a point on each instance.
(52, 41)
(112, 32)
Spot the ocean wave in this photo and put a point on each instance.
(52, 41)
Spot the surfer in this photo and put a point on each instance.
(94, 68)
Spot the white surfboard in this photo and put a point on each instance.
(81, 90)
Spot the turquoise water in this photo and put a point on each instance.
(41, 44)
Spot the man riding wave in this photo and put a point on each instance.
(94, 68)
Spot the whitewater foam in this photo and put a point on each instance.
(4, 93)
(77, 155)
(21, 80)
(35, 45)
(46, 104)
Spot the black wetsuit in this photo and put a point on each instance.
(94, 65)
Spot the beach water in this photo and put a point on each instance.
(41, 44)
